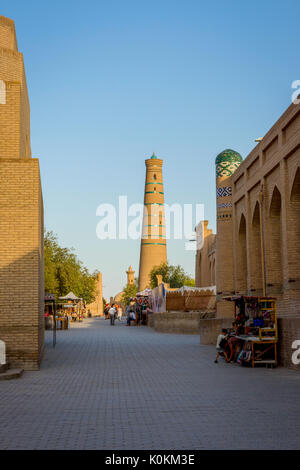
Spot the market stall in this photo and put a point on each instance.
(71, 307)
(143, 306)
(254, 336)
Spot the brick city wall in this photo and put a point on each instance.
(176, 322)
(15, 113)
(210, 328)
(21, 215)
(8, 37)
(190, 300)
(21, 262)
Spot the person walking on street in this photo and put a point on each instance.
(128, 314)
(131, 312)
(106, 311)
(120, 313)
(112, 313)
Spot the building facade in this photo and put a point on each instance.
(265, 231)
(21, 214)
(258, 226)
(205, 272)
(153, 242)
(96, 307)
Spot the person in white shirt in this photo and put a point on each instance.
(220, 349)
(112, 313)
(120, 313)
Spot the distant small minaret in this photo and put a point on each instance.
(153, 243)
(130, 276)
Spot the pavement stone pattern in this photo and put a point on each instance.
(119, 388)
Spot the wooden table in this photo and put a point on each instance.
(256, 357)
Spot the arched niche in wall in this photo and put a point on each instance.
(273, 242)
(241, 267)
(255, 259)
(293, 229)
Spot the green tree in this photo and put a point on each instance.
(189, 281)
(65, 273)
(175, 276)
(50, 247)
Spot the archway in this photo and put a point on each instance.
(293, 229)
(255, 260)
(274, 245)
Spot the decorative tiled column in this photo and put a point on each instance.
(226, 164)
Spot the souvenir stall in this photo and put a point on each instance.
(254, 336)
(71, 307)
(143, 306)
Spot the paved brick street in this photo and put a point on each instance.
(116, 387)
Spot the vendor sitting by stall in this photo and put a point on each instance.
(221, 344)
(253, 337)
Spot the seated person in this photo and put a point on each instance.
(131, 317)
(220, 345)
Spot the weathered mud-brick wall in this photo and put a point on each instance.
(176, 322)
(190, 300)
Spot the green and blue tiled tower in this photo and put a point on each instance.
(227, 163)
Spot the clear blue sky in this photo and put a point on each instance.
(112, 81)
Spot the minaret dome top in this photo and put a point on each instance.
(227, 162)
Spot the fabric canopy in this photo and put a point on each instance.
(70, 296)
(144, 293)
(198, 289)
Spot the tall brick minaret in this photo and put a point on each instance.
(153, 242)
(21, 214)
